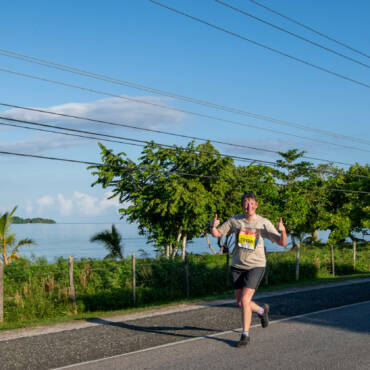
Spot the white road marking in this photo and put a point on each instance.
(209, 336)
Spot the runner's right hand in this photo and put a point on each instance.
(215, 222)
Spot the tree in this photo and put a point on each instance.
(297, 199)
(348, 213)
(111, 241)
(172, 193)
(8, 242)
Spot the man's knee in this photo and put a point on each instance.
(247, 296)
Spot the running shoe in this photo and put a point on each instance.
(244, 340)
(265, 317)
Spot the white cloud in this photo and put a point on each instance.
(45, 201)
(40, 143)
(65, 205)
(111, 109)
(78, 204)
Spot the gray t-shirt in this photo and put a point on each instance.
(249, 251)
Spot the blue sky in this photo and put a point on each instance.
(142, 43)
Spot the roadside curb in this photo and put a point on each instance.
(7, 335)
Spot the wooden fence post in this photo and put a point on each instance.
(1, 293)
(72, 292)
(266, 270)
(332, 259)
(186, 267)
(133, 278)
(228, 268)
(298, 252)
(354, 255)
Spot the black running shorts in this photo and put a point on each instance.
(247, 278)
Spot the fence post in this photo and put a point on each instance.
(227, 268)
(186, 267)
(133, 278)
(71, 284)
(298, 252)
(1, 293)
(332, 259)
(354, 255)
(266, 270)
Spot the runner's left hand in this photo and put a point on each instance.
(280, 226)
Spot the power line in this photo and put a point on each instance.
(262, 45)
(62, 67)
(161, 132)
(142, 142)
(119, 137)
(176, 109)
(292, 33)
(311, 29)
(66, 133)
(170, 172)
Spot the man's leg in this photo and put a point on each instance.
(246, 305)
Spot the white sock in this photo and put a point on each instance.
(246, 333)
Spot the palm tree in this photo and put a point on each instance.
(111, 241)
(8, 242)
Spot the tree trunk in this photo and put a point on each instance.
(5, 259)
(1, 293)
(177, 243)
(315, 236)
(184, 246)
(167, 251)
(209, 244)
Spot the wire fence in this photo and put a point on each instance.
(36, 291)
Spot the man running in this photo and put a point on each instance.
(249, 260)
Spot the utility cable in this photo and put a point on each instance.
(261, 45)
(163, 132)
(62, 67)
(176, 109)
(292, 33)
(311, 29)
(169, 172)
(144, 142)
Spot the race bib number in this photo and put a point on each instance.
(247, 239)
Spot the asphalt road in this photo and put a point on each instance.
(326, 334)
(334, 339)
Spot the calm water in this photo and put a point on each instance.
(63, 240)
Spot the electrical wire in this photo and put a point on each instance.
(261, 45)
(239, 158)
(292, 33)
(311, 29)
(145, 142)
(162, 132)
(170, 172)
(62, 67)
(177, 109)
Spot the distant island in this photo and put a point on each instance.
(37, 220)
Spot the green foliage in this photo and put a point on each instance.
(8, 244)
(36, 220)
(38, 290)
(112, 241)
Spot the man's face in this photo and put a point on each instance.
(249, 206)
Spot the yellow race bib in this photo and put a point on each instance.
(247, 239)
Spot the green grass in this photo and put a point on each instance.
(148, 307)
(36, 292)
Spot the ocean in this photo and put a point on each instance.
(63, 240)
